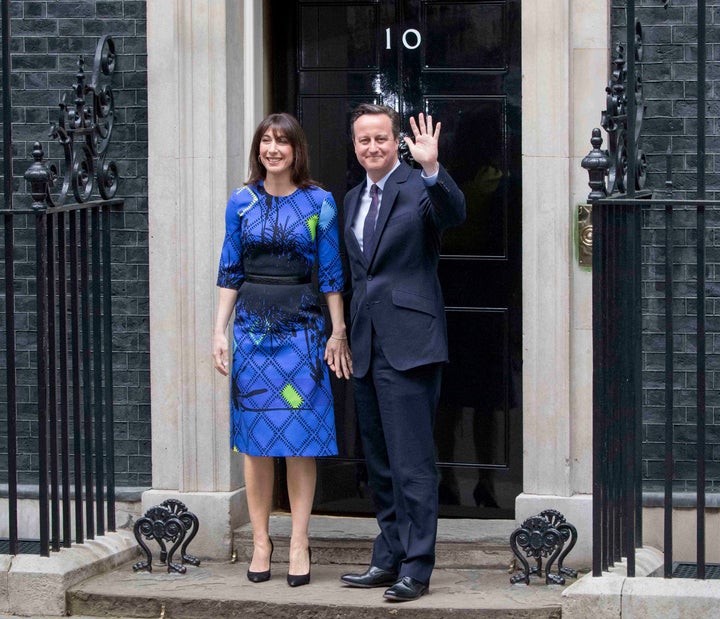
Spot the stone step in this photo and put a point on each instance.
(335, 540)
(222, 591)
(471, 579)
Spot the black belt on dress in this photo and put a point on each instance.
(281, 280)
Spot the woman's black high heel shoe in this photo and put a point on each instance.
(262, 576)
(301, 579)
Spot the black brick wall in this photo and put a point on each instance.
(47, 37)
(670, 88)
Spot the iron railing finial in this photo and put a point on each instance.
(597, 163)
(40, 177)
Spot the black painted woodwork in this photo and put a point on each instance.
(464, 69)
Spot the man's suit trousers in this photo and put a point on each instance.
(396, 411)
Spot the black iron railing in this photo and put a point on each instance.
(72, 311)
(617, 208)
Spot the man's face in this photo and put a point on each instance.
(375, 147)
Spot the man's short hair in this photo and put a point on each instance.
(373, 108)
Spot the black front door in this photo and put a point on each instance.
(459, 61)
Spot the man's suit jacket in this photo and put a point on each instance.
(396, 289)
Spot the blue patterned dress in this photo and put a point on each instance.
(280, 400)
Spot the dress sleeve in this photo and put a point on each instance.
(230, 270)
(330, 272)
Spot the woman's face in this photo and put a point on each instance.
(276, 153)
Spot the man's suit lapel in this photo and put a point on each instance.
(353, 203)
(389, 196)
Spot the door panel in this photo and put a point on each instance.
(469, 35)
(459, 61)
(475, 125)
(337, 36)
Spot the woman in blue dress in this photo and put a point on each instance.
(280, 227)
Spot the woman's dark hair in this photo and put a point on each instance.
(373, 108)
(286, 125)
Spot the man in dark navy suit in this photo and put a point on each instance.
(393, 227)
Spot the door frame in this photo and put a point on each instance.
(561, 44)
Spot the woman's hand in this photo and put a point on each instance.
(338, 356)
(221, 360)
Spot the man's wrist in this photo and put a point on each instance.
(430, 179)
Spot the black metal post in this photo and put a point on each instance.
(107, 366)
(598, 384)
(42, 379)
(11, 383)
(669, 380)
(628, 462)
(597, 164)
(76, 386)
(636, 500)
(52, 384)
(97, 372)
(611, 389)
(609, 386)
(9, 281)
(38, 175)
(63, 379)
(86, 376)
(631, 411)
(701, 58)
(7, 106)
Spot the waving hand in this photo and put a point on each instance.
(424, 148)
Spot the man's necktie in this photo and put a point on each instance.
(369, 224)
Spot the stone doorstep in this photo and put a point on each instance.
(461, 543)
(222, 591)
(34, 585)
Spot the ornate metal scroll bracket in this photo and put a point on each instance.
(541, 536)
(83, 130)
(613, 162)
(171, 522)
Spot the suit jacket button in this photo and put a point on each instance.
(369, 277)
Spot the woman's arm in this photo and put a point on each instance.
(226, 303)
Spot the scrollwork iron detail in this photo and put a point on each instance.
(569, 535)
(615, 122)
(159, 524)
(539, 537)
(83, 130)
(192, 524)
(168, 522)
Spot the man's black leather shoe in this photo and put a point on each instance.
(406, 589)
(373, 577)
